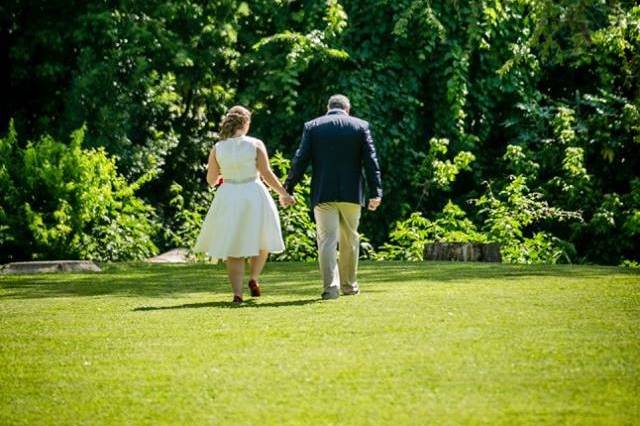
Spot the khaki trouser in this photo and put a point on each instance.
(337, 226)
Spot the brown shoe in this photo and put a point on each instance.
(254, 287)
(237, 300)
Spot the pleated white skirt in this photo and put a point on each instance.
(242, 220)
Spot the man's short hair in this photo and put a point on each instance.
(339, 102)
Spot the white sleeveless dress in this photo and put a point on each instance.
(243, 218)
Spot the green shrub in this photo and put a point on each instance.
(184, 225)
(63, 201)
(508, 216)
(409, 237)
(298, 228)
(542, 247)
(631, 264)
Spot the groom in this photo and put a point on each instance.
(338, 146)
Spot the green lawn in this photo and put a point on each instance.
(424, 343)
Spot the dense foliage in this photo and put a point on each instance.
(519, 117)
(60, 200)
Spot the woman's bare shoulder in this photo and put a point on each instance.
(257, 143)
(254, 140)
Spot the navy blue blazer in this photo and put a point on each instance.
(339, 147)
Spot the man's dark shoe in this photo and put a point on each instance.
(329, 295)
(254, 287)
(237, 300)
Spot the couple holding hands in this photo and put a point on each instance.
(243, 220)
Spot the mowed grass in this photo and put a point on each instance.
(424, 343)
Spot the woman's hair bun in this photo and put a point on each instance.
(236, 118)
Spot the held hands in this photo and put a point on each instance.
(286, 200)
(374, 203)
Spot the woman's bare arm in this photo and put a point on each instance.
(213, 168)
(265, 170)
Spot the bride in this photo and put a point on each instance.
(243, 220)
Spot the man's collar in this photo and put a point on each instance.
(337, 111)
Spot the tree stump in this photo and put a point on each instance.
(463, 252)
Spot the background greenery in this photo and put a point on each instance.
(509, 121)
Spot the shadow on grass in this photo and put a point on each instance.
(294, 279)
(445, 272)
(229, 305)
(145, 280)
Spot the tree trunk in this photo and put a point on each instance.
(463, 252)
